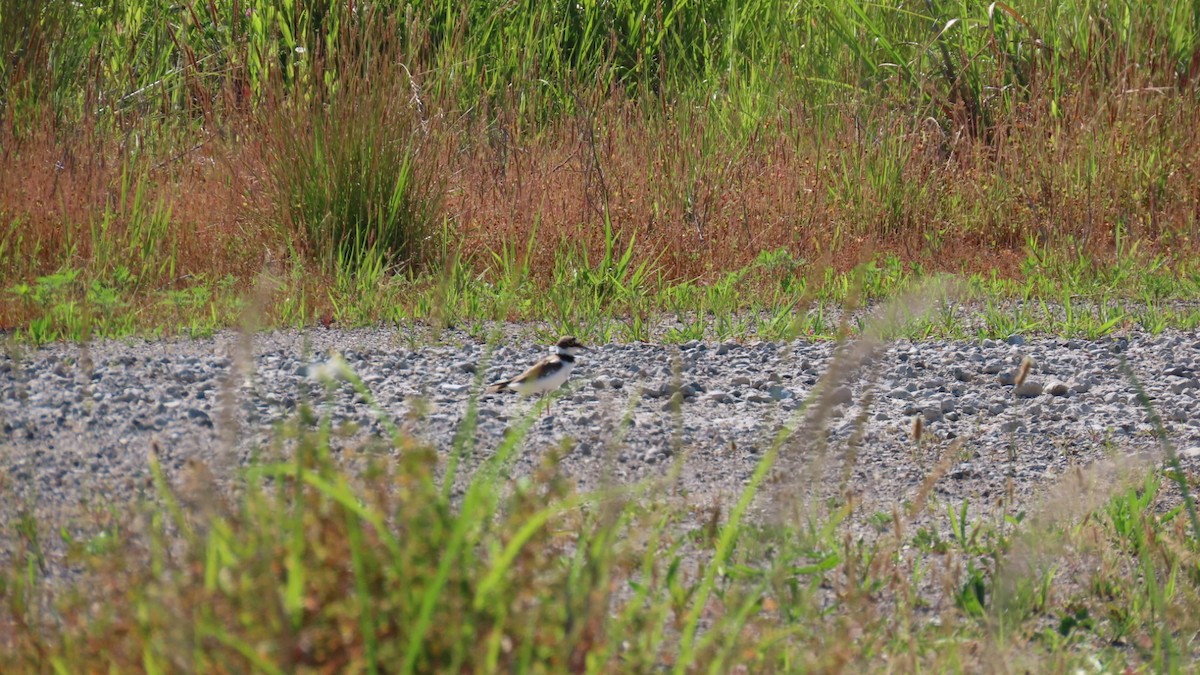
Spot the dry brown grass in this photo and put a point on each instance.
(58, 186)
(834, 188)
(953, 203)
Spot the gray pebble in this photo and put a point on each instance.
(779, 393)
(841, 395)
(1028, 389)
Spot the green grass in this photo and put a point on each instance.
(610, 299)
(971, 62)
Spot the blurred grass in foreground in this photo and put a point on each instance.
(383, 557)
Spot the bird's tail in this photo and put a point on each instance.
(497, 386)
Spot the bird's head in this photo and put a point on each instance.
(567, 344)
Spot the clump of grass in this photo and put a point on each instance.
(353, 171)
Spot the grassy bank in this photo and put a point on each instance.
(357, 163)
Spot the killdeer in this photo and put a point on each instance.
(546, 375)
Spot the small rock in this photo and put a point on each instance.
(199, 417)
(964, 470)
(655, 391)
(841, 395)
(1180, 387)
(1029, 389)
(452, 388)
(1057, 388)
(779, 393)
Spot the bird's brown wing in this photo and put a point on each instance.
(544, 368)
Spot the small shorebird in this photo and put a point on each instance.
(546, 375)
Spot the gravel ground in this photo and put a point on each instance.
(76, 424)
